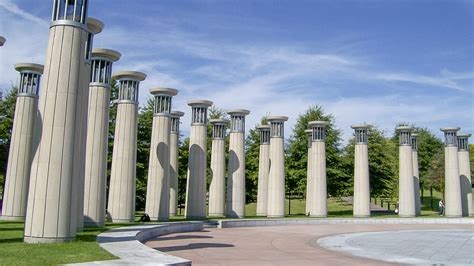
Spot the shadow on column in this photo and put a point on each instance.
(230, 192)
(466, 188)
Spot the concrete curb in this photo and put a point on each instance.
(313, 221)
(126, 243)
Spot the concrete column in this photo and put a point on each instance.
(158, 185)
(217, 187)
(406, 194)
(452, 182)
(121, 203)
(235, 200)
(318, 205)
(2, 40)
(416, 173)
(174, 155)
(263, 169)
(276, 175)
(51, 210)
(95, 175)
(197, 162)
(465, 174)
(361, 203)
(17, 179)
(94, 27)
(309, 180)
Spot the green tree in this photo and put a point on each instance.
(7, 114)
(297, 153)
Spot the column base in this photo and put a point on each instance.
(12, 218)
(406, 216)
(216, 215)
(275, 216)
(47, 240)
(118, 221)
(453, 216)
(361, 216)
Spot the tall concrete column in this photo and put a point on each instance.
(309, 134)
(235, 199)
(452, 182)
(2, 40)
(406, 194)
(416, 173)
(95, 175)
(158, 186)
(94, 27)
(318, 195)
(197, 162)
(174, 155)
(122, 188)
(17, 179)
(276, 175)
(361, 203)
(263, 169)
(51, 211)
(217, 187)
(465, 175)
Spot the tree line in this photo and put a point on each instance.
(383, 154)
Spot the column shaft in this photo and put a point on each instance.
(96, 156)
(319, 183)
(235, 200)
(276, 179)
(452, 184)
(263, 171)
(406, 194)
(217, 187)
(361, 181)
(197, 164)
(158, 185)
(50, 214)
(309, 181)
(19, 159)
(466, 185)
(121, 203)
(416, 183)
(174, 153)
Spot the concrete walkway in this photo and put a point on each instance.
(274, 245)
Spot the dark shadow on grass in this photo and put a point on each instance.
(194, 246)
(338, 213)
(11, 240)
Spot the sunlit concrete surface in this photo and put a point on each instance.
(273, 245)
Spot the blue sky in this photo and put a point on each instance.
(379, 62)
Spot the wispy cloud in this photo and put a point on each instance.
(13, 8)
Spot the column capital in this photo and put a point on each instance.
(2, 40)
(276, 126)
(404, 135)
(414, 141)
(199, 111)
(30, 77)
(94, 26)
(162, 100)
(237, 120)
(361, 133)
(175, 116)
(318, 129)
(129, 82)
(450, 135)
(463, 141)
(264, 131)
(105, 54)
(218, 128)
(129, 75)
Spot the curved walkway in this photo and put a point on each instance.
(274, 245)
(447, 246)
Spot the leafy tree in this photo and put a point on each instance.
(252, 153)
(7, 113)
(145, 123)
(297, 153)
(429, 149)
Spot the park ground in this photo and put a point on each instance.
(85, 248)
